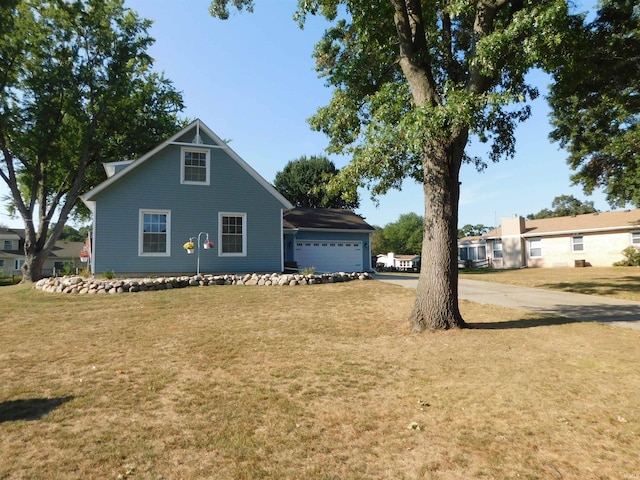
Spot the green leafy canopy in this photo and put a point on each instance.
(595, 100)
(303, 182)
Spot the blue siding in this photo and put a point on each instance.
(194, 208)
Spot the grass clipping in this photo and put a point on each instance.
(324, 382)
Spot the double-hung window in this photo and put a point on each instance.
(535, 248)
(635, 238)
(8, 245)
(232, 234)
(497, 249)
(195, 166)
(577, 244)
(155, 233)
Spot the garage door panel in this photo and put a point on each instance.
(329, 256)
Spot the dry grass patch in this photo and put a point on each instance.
(617, 282)
(317, 382)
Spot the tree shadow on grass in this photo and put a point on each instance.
(522, 323)
(623, 315)
(598, 286)
(30, 408)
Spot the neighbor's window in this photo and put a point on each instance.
(1, 262)
(497, 249)
(635, 238)
(535, 247)
(233, 234)
(8, 245)
(155, 228)
(577, 244)
(17, 265)
(195, 167)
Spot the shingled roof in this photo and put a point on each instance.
(324, 219)
(590, 222)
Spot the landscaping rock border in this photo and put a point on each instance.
(80, 285)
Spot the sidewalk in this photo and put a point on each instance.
(589, 308)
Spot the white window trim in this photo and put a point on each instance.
(141, 215)
(183, 150)
(17, 264)
(573, 244)
(539, 241)
(244, 233)
(631, 239)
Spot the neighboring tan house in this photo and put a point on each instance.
(403, 263)
(64, 255)
(194, 185)
(594, 239)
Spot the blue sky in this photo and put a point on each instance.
(251, 80)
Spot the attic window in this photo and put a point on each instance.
(195, 166)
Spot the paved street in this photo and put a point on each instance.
(575, 306)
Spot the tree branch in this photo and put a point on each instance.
(414, 56)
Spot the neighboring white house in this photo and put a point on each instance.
(594, 239)
(404, 263)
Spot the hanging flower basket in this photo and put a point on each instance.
(84, 255)
(208, 244)
(189, 246)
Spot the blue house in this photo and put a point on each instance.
(195, 187)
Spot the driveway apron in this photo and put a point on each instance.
(576, 306)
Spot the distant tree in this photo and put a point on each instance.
(564, 206)
(595, 101)
(472, 230)
(303, 182)
(76, 89)
(69, 234)
(378, 242)
(404, 236)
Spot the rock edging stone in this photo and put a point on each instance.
(81, 286)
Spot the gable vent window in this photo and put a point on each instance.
(195, 166)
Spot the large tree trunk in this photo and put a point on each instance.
(436, 306)
(32, 267)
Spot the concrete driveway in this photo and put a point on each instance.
(574, 306)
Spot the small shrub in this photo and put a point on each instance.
(632, 258)
(308, 271)
(109, 275)
(67, 269)
(85, 273)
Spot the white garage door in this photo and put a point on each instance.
(329, 257)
